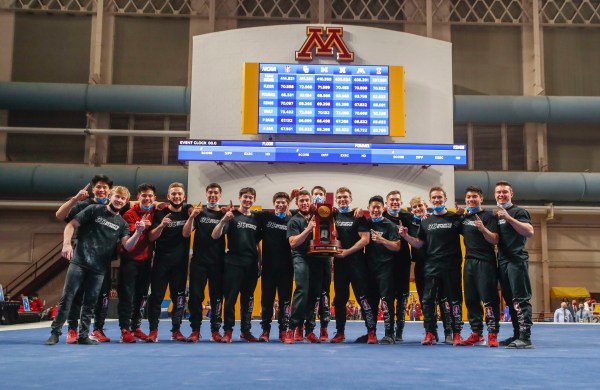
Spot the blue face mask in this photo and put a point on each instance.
(147, 207)
(473, 209)
(439, 208)
(318, 199)
(376, 219)
(101, 200)
(505, 205)
(344, 209)
(212, 205)
(393, 212)
(280, 215)
(416, 217)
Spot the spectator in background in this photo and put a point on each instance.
(563, 314)
(35, 303)
(572, 307)
(583, 314)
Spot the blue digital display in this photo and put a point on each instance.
(323, 99)
(321, 152)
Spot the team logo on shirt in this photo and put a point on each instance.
(501, 221)
(468, 222)
(344, 223)
(211, 221)
(104, 222)
(435, 226)
(244, 225)
(174, 224)
(273, 225)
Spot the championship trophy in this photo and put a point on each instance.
(323, 243)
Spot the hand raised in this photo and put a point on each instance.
(83, 193)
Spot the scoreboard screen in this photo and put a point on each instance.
(321, 152)
(327, 99)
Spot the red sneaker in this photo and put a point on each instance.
(324, 335)
(429, 339)
(264, 337)
(282, 335)
(338, 338)
(127, 336)
(298, 336)
(176, 335)
(248, 336)
(312, 338)
(138, 333)
(457, 339)
(289, 337)
(474, 339)
(153, 336)
(72, 336)
(194, 337)
(99, 336)
(216, 336)
(226, 337)
(493, 340)
(372, 337)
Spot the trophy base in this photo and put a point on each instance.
(324, 249)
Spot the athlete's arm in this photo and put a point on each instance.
(188, 228)
(413, 241)
(218, 230)
(523, 228)
(297, 240)
(359, 245)
(489, 236)
(67, 249)
(129, 242)
(157, 231)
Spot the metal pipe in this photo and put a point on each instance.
(79, 131)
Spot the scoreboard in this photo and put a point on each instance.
(321, 152)
(327, 99)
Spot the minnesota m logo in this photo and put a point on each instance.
(333, 37)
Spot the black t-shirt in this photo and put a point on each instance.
(82, 204)
(441, 234)
(404, 253)
(378, 253)
(348, 228)
(296, 225)
(511, 246)
(243, 234)
(476, 245)
(206, 249)
(276, 251)
(171, 245)
(416, 254)
(99, 232)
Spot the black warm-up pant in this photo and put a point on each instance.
(100, 309)
(447, 287)
(420, 283)
(402, 284)
(351, 270)
(134, 279)
(381, 287)
(481, 285)
(308, 273)
(324, 308)
(200, 274)
(239, 280)
(516, 290)
(278, 280)
(175, 276)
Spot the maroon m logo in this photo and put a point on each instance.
(333, 38)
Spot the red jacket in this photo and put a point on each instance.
(143, 249)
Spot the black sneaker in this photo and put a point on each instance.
(53, 339)
(508, 341)
(87, 341)
(398, 337)
(386, 340)
(520, 344)
(362, 339)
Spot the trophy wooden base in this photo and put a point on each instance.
(324, 249)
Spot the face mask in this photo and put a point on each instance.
(101, 200)
(318, 199)
(393, 212)
(280, 215)
(473, 209)
(113, 208)
(439, 208)
(147, 207)
(416, 217)
(505, 205)
(344, 209)
(376, 219)
(212, 205)
(176, 206)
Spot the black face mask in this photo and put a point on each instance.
(113, 208)
(176, 206)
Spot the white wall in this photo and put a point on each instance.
(216, 112)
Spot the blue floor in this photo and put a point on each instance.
(566, 356)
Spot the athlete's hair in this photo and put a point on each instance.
(246, 190)
(318, 188)
(437, 189)
(176, 184)
(393, 192)
(474, 189)
(281, 195)
(102, 178)
(343, 189)
(146, 187)
(123, 191)
(214, 185)
(376, 198)
(504, 183)
(417, 199)
(302, 193)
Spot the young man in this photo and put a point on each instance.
(242, 263)
(480, 232)
(350, 266)
(277, 268)
(101, 186)
(171, 258)
(100, 228)
(380, 251)
(394, 213)
(440, 235)
(515, 228)
(134, 273)
(207, 263)
(308, 270)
